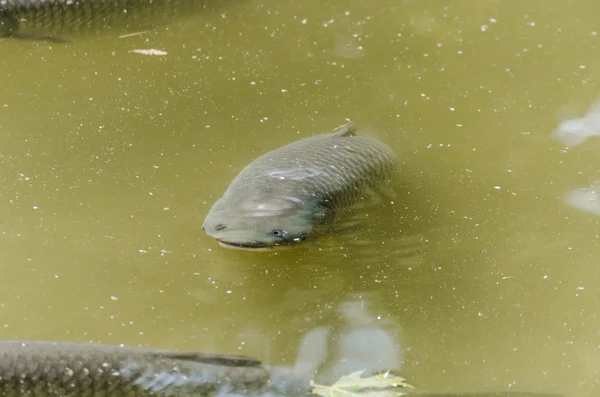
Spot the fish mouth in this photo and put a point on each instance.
(257, 245)
(247, 246)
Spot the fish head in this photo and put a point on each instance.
(263, 221)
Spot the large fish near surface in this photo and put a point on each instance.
(280, 197)
(50, 369)
(49, 19)
(45, 369)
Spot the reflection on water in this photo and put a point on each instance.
(110, 161)
(349, 338)
(576, 131)
(585, 199)
(360, 343)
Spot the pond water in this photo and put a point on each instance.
(482, 274)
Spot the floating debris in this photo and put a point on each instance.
(150, 51)
(380, 385)
(133, 34)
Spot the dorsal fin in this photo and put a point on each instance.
(348, 129)
(213, 359)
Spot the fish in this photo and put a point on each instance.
(55, 20)
(282, 197)
(67, 369)
(44, 369)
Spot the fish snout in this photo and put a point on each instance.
(213, 229)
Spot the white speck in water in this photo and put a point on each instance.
(580, 288)
(114, 298)
(166, 208)
(545, 276)
(452, 109)
(327, 23)
(143, 251)
(56, 276)
(493, 20)
(229, 291)
(484, 28)
(497, 187)
(155, 166)
(304, 21)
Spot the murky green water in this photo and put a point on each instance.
(481, 276)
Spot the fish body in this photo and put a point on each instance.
(34, 18)
(44, 369)
(50, 369)
(281, 196)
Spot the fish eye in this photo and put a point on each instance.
(277, 232)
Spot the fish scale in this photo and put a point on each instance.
(359, 162)
(44, 369)
(84, 16)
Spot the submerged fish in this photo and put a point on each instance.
(280, 197)
(44, 369)
(45, 19)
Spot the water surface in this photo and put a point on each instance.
(481, 275)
